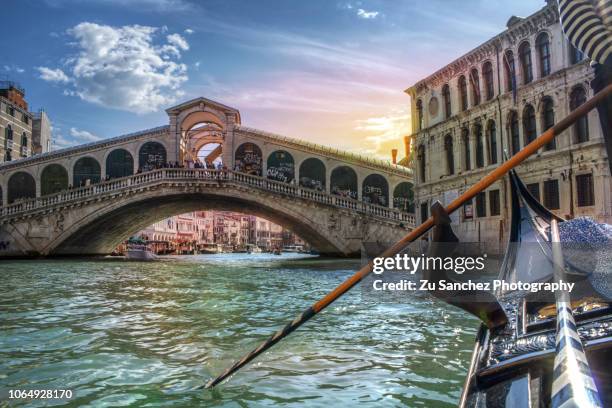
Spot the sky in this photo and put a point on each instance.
(330, 72)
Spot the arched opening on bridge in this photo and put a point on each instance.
(281, 166)
(248, 159)
(199, 129)
(152, 155)
(86, 171)
(403, 197)
(209, 155)
(312, 174)
(53, 179)
(344, 182)
(119, 163)
(375, 190)
(21, 186)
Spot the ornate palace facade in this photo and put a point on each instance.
(496, 99)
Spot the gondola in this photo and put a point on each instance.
(515, 362)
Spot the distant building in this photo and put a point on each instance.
(497, 98)
(41, 132)
(15, 123)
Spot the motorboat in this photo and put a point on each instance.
(139, 250)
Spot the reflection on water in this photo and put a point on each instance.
(147, 334)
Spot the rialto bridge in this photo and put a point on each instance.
(86, 199)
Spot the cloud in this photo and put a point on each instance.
(14, 68)
(83, 136)
(53, 75)
(367, 14)
(123, 67)
(383, 133)
(176, 39)
(189, 31)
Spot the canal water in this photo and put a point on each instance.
(121, 333)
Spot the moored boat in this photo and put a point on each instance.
(139, 250)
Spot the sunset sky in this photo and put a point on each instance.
(331, 72)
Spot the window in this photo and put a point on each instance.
(548, 119)
(463, 93)
(419, 107)
(424, 212)
(529, 124)
(26, 119)
(534, 190)
(447, 100)
(585, 190)
(581, 127)
(551, 194)
(475, 83)
(479, 146)
(468, 210)
(510, 70)
(465, 138)
(525, 57)
(481, 205)
(543, 47)
(421, 158)
(10, 110)
(492, 137)
(515, 141)
(487, 73)
(450, 159)
(575, 54)
(494, 207)
(24, 139)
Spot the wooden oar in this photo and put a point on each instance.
(486, 181)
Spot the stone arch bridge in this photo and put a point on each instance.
(86, 199)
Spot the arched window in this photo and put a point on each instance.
(119, 163)
(450, 157)
(21, 186)
(492, 138)
(421, 159)
(403, 197)
(475, 83)
(151, 155)
(543, 46)
(548, 119)
(529, 124)
(447, 101)
(343, 182)
(581, 127)
(463, 93)
(375, 190)
(312, 174)
(526, 65)
(515, 138)
(467, 155)
(479, 145)
(510, 70)
(487, 74)
(53, 179)
(281, 166)
(86, 171)
(419, 108)
(248, 159)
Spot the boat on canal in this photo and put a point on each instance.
(211, 248)
(521, 358)
(139, 250)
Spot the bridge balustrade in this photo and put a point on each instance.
(154, 176)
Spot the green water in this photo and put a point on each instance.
(137, 334)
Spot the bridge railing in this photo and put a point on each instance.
(155, 176)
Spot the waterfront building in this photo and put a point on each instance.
(496, 99)
(15, 123)
(41, 132)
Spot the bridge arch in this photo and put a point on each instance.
(119, 163)
(281, 166)
(21, 185)
(403, 197)
(53, 179)
(343, 182)
(312, 174)
(248, 158)
(152, 155)
(86, 170)
(375, 190)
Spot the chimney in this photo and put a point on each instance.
(394, 156)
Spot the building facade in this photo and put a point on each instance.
(15, 123)
(494, 100)
(41, 132)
